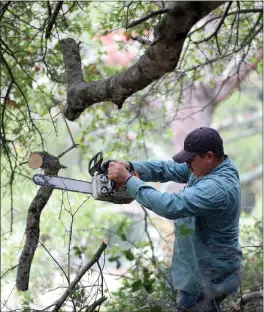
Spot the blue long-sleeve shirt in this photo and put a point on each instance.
(207, 254)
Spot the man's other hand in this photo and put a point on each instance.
(118, 171)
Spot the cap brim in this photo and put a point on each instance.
(183, 156)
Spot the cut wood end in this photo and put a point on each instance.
(35, 161)
(106, 240)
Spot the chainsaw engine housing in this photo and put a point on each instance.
(103, 190)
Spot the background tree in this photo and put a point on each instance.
(179, 64)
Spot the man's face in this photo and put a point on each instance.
(201, 165)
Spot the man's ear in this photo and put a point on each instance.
(210, 156)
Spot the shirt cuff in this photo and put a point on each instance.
(131, 167)
(132, 185)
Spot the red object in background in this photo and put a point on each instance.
(114, 55)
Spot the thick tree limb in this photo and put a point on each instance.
(78, 277)
(51, 166)
(160, 58)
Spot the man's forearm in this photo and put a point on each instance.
(161, 171)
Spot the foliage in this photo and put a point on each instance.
(146, 288)
(33, 78)
(32, 97)
(252, 240)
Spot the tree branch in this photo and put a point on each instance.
(169, 36)
(93, 306)
(143, 19)
(78, 277)
(218, 26)
(3, 8)
(51, 166)
(245, 11)
(141, 40)
(225, 86)
(53, 19)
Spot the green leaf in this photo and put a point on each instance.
(112, 259)
(128, 254)
(146, 274)
(77, 251)
(123, 236)
(149, 286)
(136, 285)
(184, 230)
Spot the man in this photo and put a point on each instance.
(206, 262)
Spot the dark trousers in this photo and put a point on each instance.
(198, 303)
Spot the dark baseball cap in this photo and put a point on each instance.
(199, 142)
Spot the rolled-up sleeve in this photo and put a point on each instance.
(205, 198)
(161, 171)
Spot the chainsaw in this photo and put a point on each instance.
(101, 188)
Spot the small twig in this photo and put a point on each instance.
(147, 232)
(261, 246)
(141, 40)
(69, 249)
(67, 150)
(54, 260)
(218, 26)
(102, 278)
(13, 267)
(70, 134)
(53, 19)
(143, 19)
(78, 277)
(95, 304)
(68, 128)
(230, 13)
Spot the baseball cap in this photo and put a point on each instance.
(199, 142)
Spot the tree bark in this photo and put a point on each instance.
(161, 57)
(51, 166)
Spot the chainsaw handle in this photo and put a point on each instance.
(95, 163)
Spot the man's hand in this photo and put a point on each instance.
(118, 172)
(124, 163)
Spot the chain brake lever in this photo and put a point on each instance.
(95, 163)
